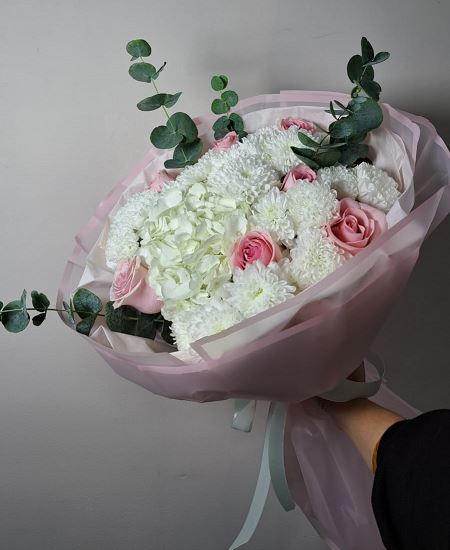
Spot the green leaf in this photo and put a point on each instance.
(40, 301)
(238, 122)
(380, 57)
(158, 72)
(139, 48)
(342, 106)
(157, 101)
(352, 152)
(366, 50)
(367, 115)
(328, 157)
(355, 68)
(185, 154)
(219, 82)
(355, 91)
(17, 320)
(218, 107)
(231, 98)
(164, 137)
(371, 88)
(306, 140)
(343, 127)
(183, 125)
(308, 161)
(69, 311)
(39, 319)
(369, 73)
(143, 72)
(86, 324)
(128, 320)
(86, 303)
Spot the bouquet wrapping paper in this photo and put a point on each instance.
(307, 345)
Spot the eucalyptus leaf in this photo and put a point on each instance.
(158, 72)
(183, 125)
(367, 115)
(85, 325)
(371, 88)
(368, 73)
(86, 303)
(128, 320)
(366, 50)
(18, 319)
(143, 72)
(306, 140)
(309, 162)
(165, 137)
(380, 57)
(238, 122)
(39, 319)
(352, 152)
(185, 154)
(218, 107)
(328, 157)
(355, 68)
(139, 48)
(343, 127)
(231, 98)
(157, 101)
(40, 301)
(219, 82)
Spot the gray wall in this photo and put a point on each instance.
(87, 460)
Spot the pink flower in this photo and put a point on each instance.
(299, 172)
(158, 180)
(227, 141)
(301, 124)
(130, 287)
(356, 226)
(255, 245)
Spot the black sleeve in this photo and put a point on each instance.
(411, 491)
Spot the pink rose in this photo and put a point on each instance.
(159, 179)
(356, 226)
(227, 141)
(300, 172)
(255, 245)
(130, 287)
(301, 124)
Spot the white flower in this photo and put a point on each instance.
(340, 178)
(270, 213)
(311, 204)
(274, 146)
(123, 237)
(198, 321)
(243, 176)
(313, 258)
(257, 288)
(376, 187)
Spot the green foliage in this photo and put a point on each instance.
(70, 312)
(157, 101)
(352, 122)
(87, 306)
(185, 154)
(139, 48)
(14, 315)
(143, 72)
(40, 303)
(230, 122)
(219, 82)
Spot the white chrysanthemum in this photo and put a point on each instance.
(191, 324)
(123, 237)
(199, 172)
(270, 213)
(274, 146)
(375, 187)
(311, 204)
(340, 178)
(257, 288)
(243, 176)
(313, 258)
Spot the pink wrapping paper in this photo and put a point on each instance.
(308, 353)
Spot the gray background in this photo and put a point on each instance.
(89, 461)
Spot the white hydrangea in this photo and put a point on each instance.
(191, 324)
(274, 146)
(340, 178)
(243, 175)
(123, 237)
(376, 187)
(311, 204)
(270, 213)
(257, 288)
(313, 258)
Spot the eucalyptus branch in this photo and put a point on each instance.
(229, 122)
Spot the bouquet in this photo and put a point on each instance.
(258, 263)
